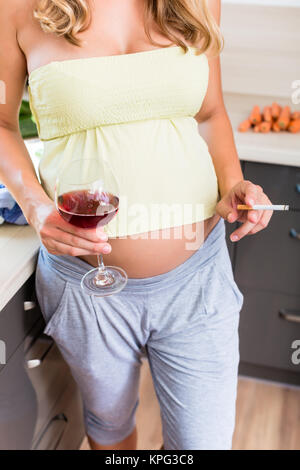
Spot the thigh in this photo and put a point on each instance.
(194, 360)
(197, 395)
(101, 349)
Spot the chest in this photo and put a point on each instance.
(71, 95)
(115, 29)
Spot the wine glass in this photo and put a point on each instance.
(87, 196)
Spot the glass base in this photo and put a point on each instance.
(100, 284)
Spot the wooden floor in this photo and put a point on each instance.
(268, 416)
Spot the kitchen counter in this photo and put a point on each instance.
(281, 149)
(19, 246)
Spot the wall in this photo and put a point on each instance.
(262, 46)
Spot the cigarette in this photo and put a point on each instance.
(259, 207)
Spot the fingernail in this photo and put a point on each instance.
(251, 202)
(103, 237)
(229, 216)
(106, 249)
(234, 238)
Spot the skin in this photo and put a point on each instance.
(116, 28)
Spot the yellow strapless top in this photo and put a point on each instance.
(134, 112)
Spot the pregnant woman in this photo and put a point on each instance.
(137, 84)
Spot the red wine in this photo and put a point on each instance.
(87, 209)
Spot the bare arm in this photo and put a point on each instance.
(215, 127)
(16, 169)
(214, 121)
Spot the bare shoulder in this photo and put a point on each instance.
(17, 5)
(14, 12)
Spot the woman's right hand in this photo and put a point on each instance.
(61, 238)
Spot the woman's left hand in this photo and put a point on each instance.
(252, 221)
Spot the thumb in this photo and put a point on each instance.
(227, 210)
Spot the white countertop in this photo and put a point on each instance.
(19, 246)
(280, 149)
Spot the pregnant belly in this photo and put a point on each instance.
(155, 253)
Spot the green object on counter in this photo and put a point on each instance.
(26, 122)
(25, 108)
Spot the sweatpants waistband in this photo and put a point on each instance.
(73, 268)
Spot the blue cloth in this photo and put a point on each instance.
(185, 321)
(10, 211)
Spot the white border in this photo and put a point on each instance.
(269, 3)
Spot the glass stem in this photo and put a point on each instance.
(103, 277)
(100, 263)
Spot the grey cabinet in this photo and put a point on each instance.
(40, 405)
(267, 270)
(64, 428)
(273, 254)
(18, 405)
(17, 318)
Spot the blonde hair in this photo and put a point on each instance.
(191, 19)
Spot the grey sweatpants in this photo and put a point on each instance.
(185, 321)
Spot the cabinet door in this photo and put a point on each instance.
(65, 428)
(18, 317)
(18, 405)
(270, 259)
(31, 384)
(269, 325)
(50, 376)
(267, 270)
